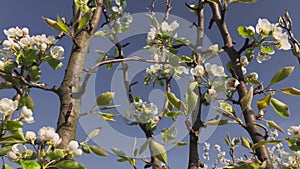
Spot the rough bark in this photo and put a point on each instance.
(194, 161)
(249, 116)
(70, 106)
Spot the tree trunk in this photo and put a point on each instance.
(70, 106)
(249, 116)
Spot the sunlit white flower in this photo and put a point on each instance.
(244, 61)
(217, 147)
(231, 83)
(198, 71)
(282, 39)
(56, 139)
(165, 27)
(27, 114)
(17, 151)
(16, 32)
(153, 69)
(73, 148)
(253, 75)
(30, 135)
(10, 45)
(181, 70)
(26, 42)
(57, 52)
(294, 131)
(260, 58)
(123, 22)
(8, 106)
(1, 64)
(152, 34)
(210, 95)
(244, 70)
(215, 70)
(46, 133)
(264, 27)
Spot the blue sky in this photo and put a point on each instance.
(29, 14)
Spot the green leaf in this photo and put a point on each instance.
(54, 63)
(264, 102)
(282, 74)
(56, 154)
(179, 143)
(4, 150)
(118, 152)
(174, 100)
(191, 98)
(172, 114)
(109, 66)
(53, 24)
(86, 149)
(84, 20)
(107, 116)
(63, 26)
(26, 101)
(174, 61)
(256, 145)
(158, 151)
(98, 151)
(247, 99)
(105, 98)
(13, 125)
(29, 164)
(144, 146)
(185, 59)
(30, 155)
(93, 134)
(6, 166)
(34, 73)
(68, 164)
(275, 126)
(291, 91)
(216, 122)
(280, 108)
(246, 32)
(246, 142)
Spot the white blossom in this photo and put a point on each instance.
(27, 115)
(165, 27)
(210, 95)
(254, 76)
(217, 147)
(48, 134)
(10, 45)
(282, 39)
(17, 151)
(30, 135)
(231, 83)
(244, 61)
(294, 131)
(74, 150)
(215, 70)
(151, 34)
(153, 69)
(25, 42)
(244, 70)
(264, 27)
(198, 71)
(16, 32)
(181, 70)
(57, 52)
(8, 106)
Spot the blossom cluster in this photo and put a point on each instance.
(18, 40)
(142, 112)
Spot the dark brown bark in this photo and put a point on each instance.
(194, 160)
(249, 116)
(70, 106)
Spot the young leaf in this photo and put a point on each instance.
(144, 146)
(179, 143)
(98, 151)
(158, 151)
(216, 122)
(172, 114)
(282, 74)
(107, 116)
(5, 150)
(30, 164)
(246, 142)
(191, 98)
(118, 152)
(68, 164)
(174, 100)
(84, 20)
(291, 91)
(245, 32)
(275, 126)
(26, 101)
(264, 102)
(53, 24)
(93, 134)
(256, 145)
(6, 166)
(105, 98)
(54, 63)
(280, 108)
(63, 26)
(247, 99)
